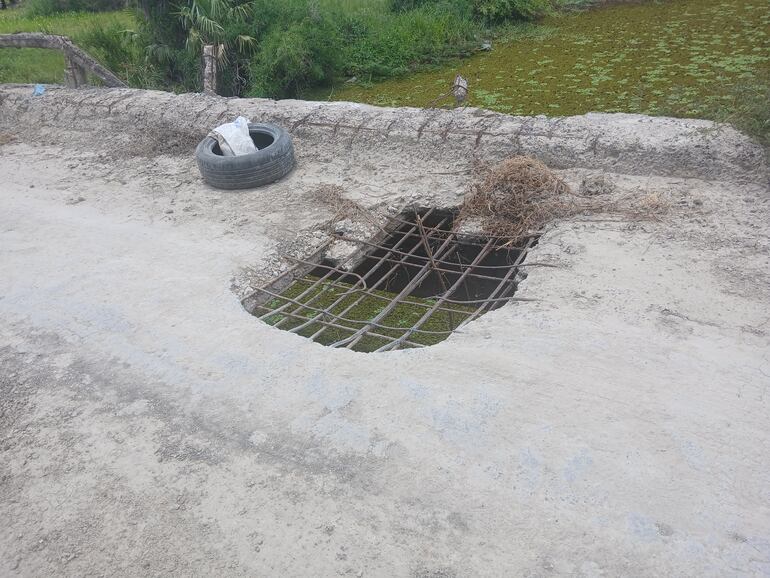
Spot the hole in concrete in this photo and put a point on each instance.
(412, 286)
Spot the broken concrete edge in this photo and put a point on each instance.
(296, 258)
(618, 143)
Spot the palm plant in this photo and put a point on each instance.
(225, 25)
(220, 23)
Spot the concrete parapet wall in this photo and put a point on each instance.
(618, 143)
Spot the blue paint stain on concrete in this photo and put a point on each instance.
(464, 423)
(578, 466)
(691, 451)
(415, 389)
(530, 469)
(332, 395)
(642, 527)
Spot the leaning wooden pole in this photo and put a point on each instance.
(78, 62)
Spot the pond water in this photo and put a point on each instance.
(676, 56)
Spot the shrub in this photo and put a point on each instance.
(293, 58)
(501, 10)
(405, 5)
(457, 6)
(300, 44)
(397, 44)
(48, 7)
(163, 36)
(122, 51)
(751, 111)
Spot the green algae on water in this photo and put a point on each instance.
(681, 55)
(353, 313)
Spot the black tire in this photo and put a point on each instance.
(273, 160)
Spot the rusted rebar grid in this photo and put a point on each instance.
(427, 315)
(502, 287)
(420, 255)
(445, 249)
(429, 252)
(371, 333)
(331, 271)
(485, 235)
(453, 263)
(302, 305)
(387, 275)
(369, 290)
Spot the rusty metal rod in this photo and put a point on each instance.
(360, 321)
(462, 267)
(310, 289)
(427, 315)
(338, 326)
(318, 251)
(381, 280)
(500, 287)
(342, 297)
(445, 246)
(375, 246)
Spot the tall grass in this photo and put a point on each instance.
(425, 35)
(68, 24)
(49, 7)
(307, 43)
(31, 65)
(122, 51)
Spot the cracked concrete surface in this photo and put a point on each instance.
(149, 426)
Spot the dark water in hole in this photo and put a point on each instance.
(454, 256)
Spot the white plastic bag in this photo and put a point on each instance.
(234, 138)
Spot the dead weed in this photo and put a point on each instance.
(334, 197)
(520, 195)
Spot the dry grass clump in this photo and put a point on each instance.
(333, 196)
(651, 206)
(517, 197)
(6, 138)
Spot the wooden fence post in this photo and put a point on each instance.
(74, 74)
(210, 69)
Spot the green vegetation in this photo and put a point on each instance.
(488, 10)
(693, 58)
(400, 319)
(690, 58)
(281, 49)
(501, 10)
(49, 7)
(269, 48)
(31, 65)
